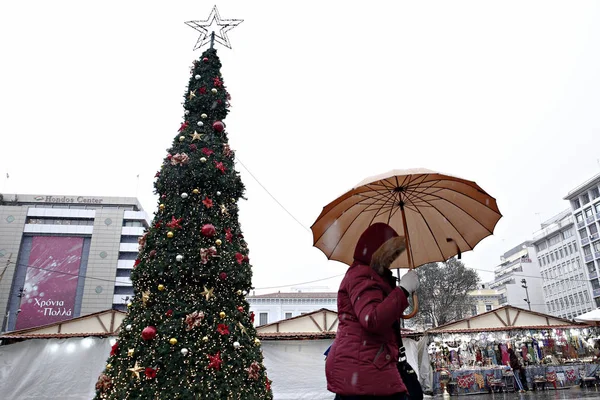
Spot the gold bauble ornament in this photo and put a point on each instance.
(222, 314)
(161, 287)
(169, 234)
(173, 341)
(129, 304)
(214, 90)
(205, 339)
(181, 138)
(256, 341)
(218, 242)
(239, 292)
(161, 207)
(195, 191)
(108, 366)
(203, 115)
(203, 159)
(130, 352)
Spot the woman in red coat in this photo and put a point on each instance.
(361, 363)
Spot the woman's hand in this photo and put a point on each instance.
(410, 281)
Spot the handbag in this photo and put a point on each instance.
(408, 374)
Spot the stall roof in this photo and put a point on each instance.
(506, 318)
(319, 324)
(103, 323)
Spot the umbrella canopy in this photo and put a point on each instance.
(439, 215)
(591, 316)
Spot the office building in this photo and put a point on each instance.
(65, 256)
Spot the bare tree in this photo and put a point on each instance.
(443, 293)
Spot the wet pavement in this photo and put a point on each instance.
(574, 393)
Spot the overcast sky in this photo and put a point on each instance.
(324, 94)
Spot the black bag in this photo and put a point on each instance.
(408, 375)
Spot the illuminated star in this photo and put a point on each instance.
(130, 352)
(208, 293)
(206, 28)
(197, 136)
(136, 370)
(145, 297)
(224, 210)
(192, 94)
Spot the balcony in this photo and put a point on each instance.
(502, 300)
(585, 241)
(588, 257)
(580, 224)
(593, 275)
(595, 236)
(598, 216)
(589, 220)
(597, 254)
(596, 292)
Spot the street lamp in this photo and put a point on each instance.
(524, 286)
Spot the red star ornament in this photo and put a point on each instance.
(175, 223)
(215, 361)
(219, 165)
(208, 203)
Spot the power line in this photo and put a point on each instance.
(269, 193)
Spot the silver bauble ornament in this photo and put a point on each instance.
(184, 351)
(184, 195)
(197, 77)
(200, 123)
(236, 345)
(179, 257)
(218, 193)
(187, 112)
(128, 327)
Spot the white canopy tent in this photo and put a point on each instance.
(591, 316)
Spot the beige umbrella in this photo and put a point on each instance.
(439, 215)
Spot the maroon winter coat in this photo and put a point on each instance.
(363, 357)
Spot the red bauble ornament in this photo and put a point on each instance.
(152, 253)
(169, 156)
(149, 333)
(164, 196)
(193, 147)
(205, 59)
(223, 276)
(240, 309)
(169, 313)
(218, 126)
(113, 349)
(208, 230)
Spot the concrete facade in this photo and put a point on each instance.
(565, 282)
(269, 308)
(517, 264)
(585, 208)
(110, 228)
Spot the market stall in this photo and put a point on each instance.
(474, 355)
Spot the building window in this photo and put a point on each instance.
(473, 311)
(593, 228)
(554, 240)
(541, 246)
(597, 300)
(288, 315)
(571, 299)
(570, 249)
(587, 296)
(583, 233)
(585, 198)
(575, 204)
(594, 192)
(579, 217)
(58, 221)
(590, 266)
(588, 212)
(562, 305)
(263, 318)
(597, 208)
(567, 234)
(488, 307)
(561, 253)
(133, 223)
(587, 250)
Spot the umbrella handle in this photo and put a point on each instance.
(415, 307)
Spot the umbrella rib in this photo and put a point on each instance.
(461, 193)
(455, 205)
(341, 236)
(431, 231)
(453, 226)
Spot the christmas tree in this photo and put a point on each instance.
(189, 333)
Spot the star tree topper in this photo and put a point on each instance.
(207, 34)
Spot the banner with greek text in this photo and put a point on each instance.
(51, 281)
